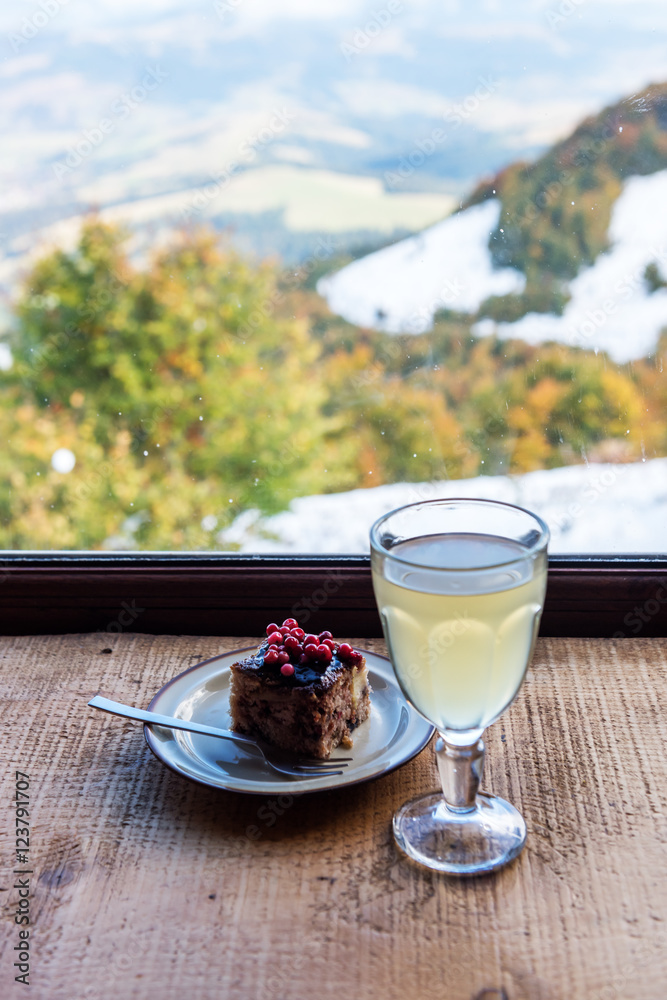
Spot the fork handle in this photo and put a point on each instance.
(117, 708)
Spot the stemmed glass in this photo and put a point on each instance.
(460, 588)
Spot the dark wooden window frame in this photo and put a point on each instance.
(215, 594)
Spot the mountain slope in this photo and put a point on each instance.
(448, 266)
(577, 238)
(612, 305)
(556, 211)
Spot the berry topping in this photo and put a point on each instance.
(288, 645)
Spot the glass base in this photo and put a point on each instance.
(460, 843)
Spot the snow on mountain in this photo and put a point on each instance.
(399, 288)
(611, 308)
(600, 508)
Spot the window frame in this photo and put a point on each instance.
(203, 593)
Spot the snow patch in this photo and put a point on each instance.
(399, 289)
(611, 308)
(602, 508)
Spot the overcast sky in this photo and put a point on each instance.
(570, 56)
(363, 82)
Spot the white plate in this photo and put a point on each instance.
(392, 735)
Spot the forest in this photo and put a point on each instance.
(202, 384)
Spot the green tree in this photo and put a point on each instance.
(185, 383)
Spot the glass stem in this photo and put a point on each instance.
(460, 773)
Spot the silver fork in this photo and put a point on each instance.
(280, 760)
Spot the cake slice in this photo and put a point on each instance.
(301, 692)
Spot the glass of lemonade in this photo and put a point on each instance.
(460, 588)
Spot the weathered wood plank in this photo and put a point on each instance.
(146, 884)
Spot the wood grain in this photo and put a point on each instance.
(146, 885)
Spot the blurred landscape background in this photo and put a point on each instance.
(251, 253)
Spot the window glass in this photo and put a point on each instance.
(271, 269)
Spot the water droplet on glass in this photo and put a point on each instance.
(63, 460)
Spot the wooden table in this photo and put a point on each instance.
(146, 885)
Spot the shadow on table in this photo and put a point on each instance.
(278, 817)
(147, 791)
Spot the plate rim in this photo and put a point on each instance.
(282, 785)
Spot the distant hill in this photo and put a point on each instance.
(572, 247)
(556, 211)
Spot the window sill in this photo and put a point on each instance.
(215, 594)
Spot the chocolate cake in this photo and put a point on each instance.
(300, 692)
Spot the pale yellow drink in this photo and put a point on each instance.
(460, 637)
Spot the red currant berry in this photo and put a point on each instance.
(311, 638)
(283, 657)
(284, 629)
(356, 657)
(271, 657)
(287, 670)
(311, 651)
(272, 628)
(275, 639)
(330, 643)
(303, 658)
(298, 633)
(290, 622)
(291, 642)
(345, 651)
(325, 635)
(324, 653)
